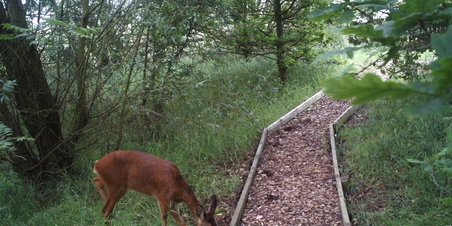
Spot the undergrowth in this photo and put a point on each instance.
(211, 123)
(387, 184)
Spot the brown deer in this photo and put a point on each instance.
(122, 170)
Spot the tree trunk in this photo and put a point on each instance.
(123, 112)
(34, 102)
(81, 62)
(146, 88)
(280, 53)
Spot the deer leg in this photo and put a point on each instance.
(101, 188)
(112, 198)
(176, 215)
(164, 208)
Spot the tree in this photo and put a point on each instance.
(81, 65)
(277, 28)
(407, 23)
(413, 26)
(33, 101)
(54, 120)
(174, 32)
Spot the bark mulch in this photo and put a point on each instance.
(295, 182)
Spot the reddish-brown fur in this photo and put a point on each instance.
(122, 170)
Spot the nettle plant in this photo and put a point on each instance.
(402, 28)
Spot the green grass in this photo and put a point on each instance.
(212, 122)
(385, 188)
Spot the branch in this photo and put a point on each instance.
(290, 7)
(290, 16)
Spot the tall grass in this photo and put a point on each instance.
(385, 187)
(212, 122)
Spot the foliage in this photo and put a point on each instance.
(16, 198)
(406, 29)
(6, 143)
(212, 123)
(7, 137)
(15, 32)
(6, 90)
(87, 52)
(435, 88)
(125, 74)
(386, 189)
(279, 30)
(6, 134)
(254, 31)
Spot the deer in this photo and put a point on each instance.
(120, 171)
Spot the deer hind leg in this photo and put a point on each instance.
(164, 207)
(112, 198)
(101, 188)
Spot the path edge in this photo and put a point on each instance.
(332, 129)
(238, 213)
(294, 112)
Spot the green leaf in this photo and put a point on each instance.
(418, 6)
(6, 37)
(325, 13)
(409, 16)
(372, 6)
(368, 31)
(346, 17)
(55, 22)
(424, 88)
(362, 31)
(400, 26)
(8, 86)
(441, 43)
(415, 161)
(442, 76)
(14, 28)
(369, 88)
(446, 12)
(349, 53)
(433, 105)
(442, 153)
(83, 32)
(6, 90)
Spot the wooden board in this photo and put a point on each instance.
(340, 120)
(294, 112)
(237, 217)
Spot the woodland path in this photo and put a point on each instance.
(295, 183)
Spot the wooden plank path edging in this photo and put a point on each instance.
(339, 121)
(238, 213)
(294, 112)
(236, 218)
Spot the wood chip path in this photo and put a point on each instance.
(295, 183)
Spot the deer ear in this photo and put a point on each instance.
(212, 206)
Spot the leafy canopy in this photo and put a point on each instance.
(397, 20)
